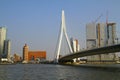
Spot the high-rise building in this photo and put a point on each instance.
(2, 39)
(100, 35)
(111, 33)
(74, 45)
(6, 51)
(91, 40)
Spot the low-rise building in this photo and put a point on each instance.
(33, 56)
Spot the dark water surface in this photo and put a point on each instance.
(56, 72)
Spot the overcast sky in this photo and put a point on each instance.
(37, 22)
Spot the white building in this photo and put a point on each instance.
(75, 45)
(91, 40)
(111, 33)
(2, 39)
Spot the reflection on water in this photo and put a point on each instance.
(56, 72)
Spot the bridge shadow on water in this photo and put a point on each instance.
(99, 67)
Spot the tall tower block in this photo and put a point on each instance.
(7, 48)
(25, 53)
(2, 39)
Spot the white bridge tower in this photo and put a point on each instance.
(62, 32)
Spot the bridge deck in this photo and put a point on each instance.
(96, 51)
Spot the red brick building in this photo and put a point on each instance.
(32, 55)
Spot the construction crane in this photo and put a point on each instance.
(97, 18)
(107, 17)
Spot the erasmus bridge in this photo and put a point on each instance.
(88, 52)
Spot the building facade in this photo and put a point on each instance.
(75, 45)
(91, 40)
(2, 39)
(25, 53)
(111, 31)
(35, 55)
(17, 58)
(32, 55)
(100, 35)
(7, 46)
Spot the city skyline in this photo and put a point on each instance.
(37, 23)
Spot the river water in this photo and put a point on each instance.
(57, 72)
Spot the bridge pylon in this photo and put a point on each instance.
(62, 31)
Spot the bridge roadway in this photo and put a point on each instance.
(89, 52)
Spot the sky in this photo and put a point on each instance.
(37, 22)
